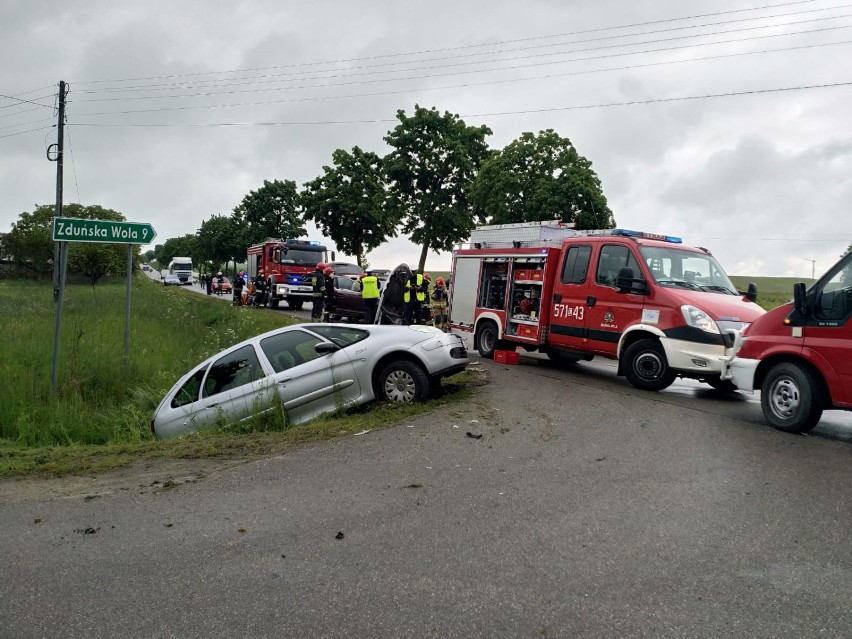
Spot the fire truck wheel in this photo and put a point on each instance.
(790, 398)
(645, 366)
(402, 382)
(485, 339)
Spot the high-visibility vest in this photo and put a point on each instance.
(421, 296)
(369, 287)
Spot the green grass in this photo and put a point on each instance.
(771, 291)
(99, 415)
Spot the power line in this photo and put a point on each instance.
(73, 164)
(9, 97)
(9, 135)
(482, 115)
(11, 126)
(464, 72)
(458, 48)
(242, 81)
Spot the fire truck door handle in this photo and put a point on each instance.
(557, 298)
(591, 300)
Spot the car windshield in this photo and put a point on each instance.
(678, 268)
(180, 266)
(346, 269)
(302, 257)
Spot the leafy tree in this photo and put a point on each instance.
(96, 259)
(150, 255)
(220, 240)
(540, 177)
(270, 212)
(31, 243)
(434, 160)
(347, 203)
(184, 246)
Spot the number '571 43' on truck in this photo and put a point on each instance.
(662, 309)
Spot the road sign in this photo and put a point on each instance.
(70, 229)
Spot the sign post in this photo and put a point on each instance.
(70, 229)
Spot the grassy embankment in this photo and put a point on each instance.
(99, 417)
(771, 291)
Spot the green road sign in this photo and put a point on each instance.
(70, 229)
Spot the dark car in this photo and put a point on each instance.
(347, 299)
(352, 271)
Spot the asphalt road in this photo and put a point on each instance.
(586, 508)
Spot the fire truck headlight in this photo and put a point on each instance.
(697, 318)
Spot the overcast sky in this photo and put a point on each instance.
(707, 119)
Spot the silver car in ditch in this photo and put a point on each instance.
(307, 370)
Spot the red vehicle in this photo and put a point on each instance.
(288, 266)
(800, 354)
(221, 285)
(660, 308)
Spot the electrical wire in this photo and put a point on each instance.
(73, 163)
(475, 84)
(458, 48)
(482, 115)
(243, 81)
(9, 135)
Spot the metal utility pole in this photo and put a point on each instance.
(60, 251)
(57, 150)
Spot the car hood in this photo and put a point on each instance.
(719, 306)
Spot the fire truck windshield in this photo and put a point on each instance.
(686, 269)
(302, 257)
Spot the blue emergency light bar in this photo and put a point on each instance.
(298, 241)
(647, 236)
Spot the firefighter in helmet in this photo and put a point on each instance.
(318, 292)
(439, 305)
(259, 298)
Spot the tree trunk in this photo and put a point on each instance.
(423, 252)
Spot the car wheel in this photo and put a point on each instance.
(721, 385)
(486, 339)
(403, 382)
(790, 398)
(295, 305)
(646, 367)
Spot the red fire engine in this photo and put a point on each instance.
(660, 308)
(288, 266)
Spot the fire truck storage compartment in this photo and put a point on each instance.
(463, 290)
(492, 287)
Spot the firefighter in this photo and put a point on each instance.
(259, 289)
(439, 305)
(317, 295)
(328, 309)
(239, 282)
(370, 296)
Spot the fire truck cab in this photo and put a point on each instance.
(288, 267)
(660, 308)
(799, 355)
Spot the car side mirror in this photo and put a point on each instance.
(324, 348)
(626, 283)
(800, 301)
(751, 293)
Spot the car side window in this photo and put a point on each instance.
(835, 299)
(190, 391)
(341, 336)
(233, 370)
(612, 259)
(290, 348)
(343, 282)
(576, 265)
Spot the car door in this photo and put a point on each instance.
(235, 388)
(309, 383)
(830, 332)
(568, 311)
(610, 312)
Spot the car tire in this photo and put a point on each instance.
(646, 367)
(790, 398)
(486, 339)
(402, 382)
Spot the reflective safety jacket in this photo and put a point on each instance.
(318, 283)
(418, 286)
(369, 287)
